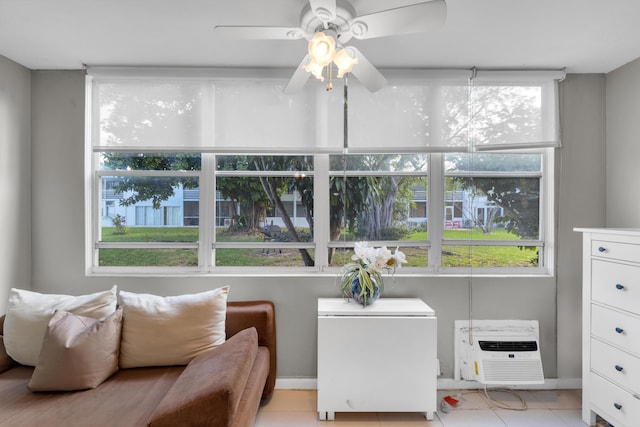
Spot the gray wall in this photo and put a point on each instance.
(15, 176)
(579, 202)
(58, 239)
(623, 146)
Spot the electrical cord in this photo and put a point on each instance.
(503, 405)
(449, 402)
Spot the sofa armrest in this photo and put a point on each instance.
(209, 390)
(6, 362)
(260, 315)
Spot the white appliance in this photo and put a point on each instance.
(378, 358)
(505, 352)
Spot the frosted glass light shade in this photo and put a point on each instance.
(315, 69)
(344, 62)
(322, 49)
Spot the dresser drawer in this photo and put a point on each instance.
(614, 404)
(616, 284)
(615, 250)
(617, 328)
(615, 365)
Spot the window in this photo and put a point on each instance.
(143, 194)
(261, 213)
(499, 218)
(191, 175)
(371, 198)
(268, 203)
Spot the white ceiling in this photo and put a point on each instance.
(583, 36)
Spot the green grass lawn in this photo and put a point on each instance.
(453, 256)
(151, 234)
(486, 256)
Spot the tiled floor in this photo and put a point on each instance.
(545, 408)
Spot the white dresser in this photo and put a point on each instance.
(611, 326)
(379, 358)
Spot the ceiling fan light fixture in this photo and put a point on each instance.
(315, 69)
(322, 49)
(345, 62)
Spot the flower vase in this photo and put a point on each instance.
(370, 295)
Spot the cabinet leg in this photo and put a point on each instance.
(326, 416)
(429, 416)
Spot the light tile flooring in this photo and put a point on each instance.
(545, 408)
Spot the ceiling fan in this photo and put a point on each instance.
(328, 24)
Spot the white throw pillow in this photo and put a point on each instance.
(28, 314)
(165, 331)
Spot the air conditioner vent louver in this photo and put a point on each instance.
(508, 345)
(526, 371)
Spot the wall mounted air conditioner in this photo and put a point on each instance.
(505, 352)
(227, 222)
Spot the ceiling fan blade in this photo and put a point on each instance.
(325, 10)
(299, 78)
(415, 18)
(240, 32)
(364, 71)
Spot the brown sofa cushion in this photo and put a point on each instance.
(210, 388)
(6, 362)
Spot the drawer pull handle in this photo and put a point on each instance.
(618, 406)
(619, 330)
(602, 249)
(619, 368)
(619, 286)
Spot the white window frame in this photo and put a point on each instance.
(207, 244)
(546, 226)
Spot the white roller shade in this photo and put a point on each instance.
(512, 109)
(247, 111)
(416, 112)
(258, 116)
(152, 114)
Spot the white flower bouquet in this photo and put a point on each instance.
(362, 278)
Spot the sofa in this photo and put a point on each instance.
(223, 386)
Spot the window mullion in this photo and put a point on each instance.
(321, 223)
(95, 218)
(435, 221)
(207, 212)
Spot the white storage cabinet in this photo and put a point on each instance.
(379, 358)
(611, 326)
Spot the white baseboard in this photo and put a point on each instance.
(443, 384)
(296, 383)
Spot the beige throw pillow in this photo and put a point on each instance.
(78, 352)
(29, 312)
(165, 331)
